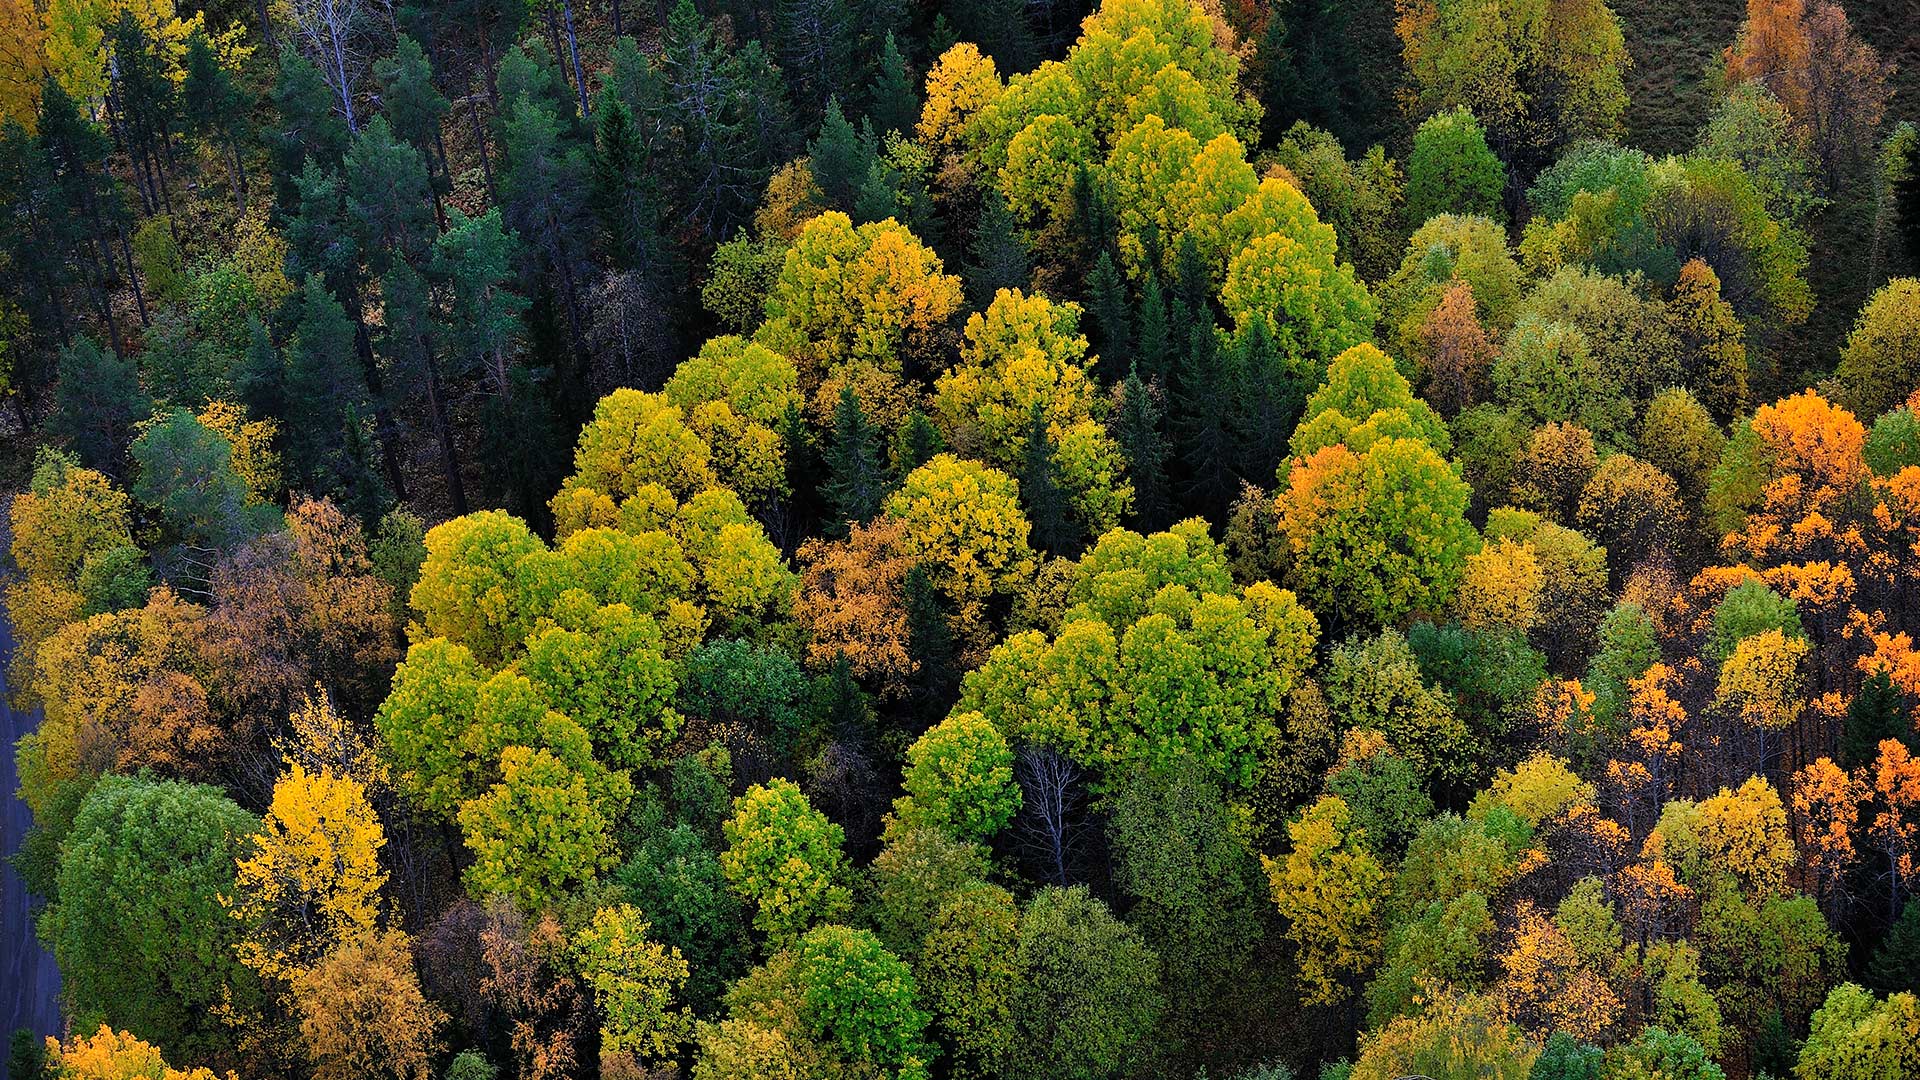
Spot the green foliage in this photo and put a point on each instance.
(959, 777)
(1853, 1036)
(783, 859)
(1089, 993)
(142, 936)
(1452, 170)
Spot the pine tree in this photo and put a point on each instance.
(840, 159)
(215, 109)
(1267, 403)
(145, 101)
(475, 257)
(915, 443)
(1137, 430)
(930, 644)
(999, 257)
(625, 196)
(893, 99)
(307, 131)
(96, 404)
(544, 189)
(388, 198)
(410, 353)
(328, 406)
(1112, 322)
(856, 481)
(1204, 393)
(416, 109)
(1054, 529)
(1155, 350)
(1875, 713)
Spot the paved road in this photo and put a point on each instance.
(29, 983)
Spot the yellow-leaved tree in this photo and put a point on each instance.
(313, 882)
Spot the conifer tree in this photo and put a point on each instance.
(1266, 405)
(1875, 713)
(816, 46)
(856, 480)
(215, 109)
(409, 348)
(930, 643)
(328, 406)
(96, 404)
(1112, 328)
(915, 443)
(1137, 430)
(625, 196)
(416, 109)
(388, 198)
(306, 130)
(893, 98)
(1205, 391)
(1155, 349)
(840, 158)
(1054, 530)
(999, 257)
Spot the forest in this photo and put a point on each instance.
(965, 539)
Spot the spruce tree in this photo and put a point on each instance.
(915, 443)
(856, 480)
(95, 405)
(930, 644)
(625, 196)
(1875, 713)
(411, 354)
(840, 159)
(1054, 529)
(1155, 349)
(260, 377)
(1204, 392)
(1112, 322)
(1137, 430)
(893, 99)
(816, 47)
(999, 257)
(1267, 403)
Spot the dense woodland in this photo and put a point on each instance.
(861, 540)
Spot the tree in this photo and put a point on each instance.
(96, 404)
(1880, 365)
(313, 881)
(964, 523)
(853, 601)
(1455, 353)
(959, 778)
(330, 408)
(999, 258)
(106, 1055)
(1854, 1036)
(1089, 993)
(541, 830)
(185, 471)
(1632, 508)
(784, 859)
(635, 980)
(1452, 170)
(1330, 889)
(1460, 1036)
(337, 36)
(894, 97)
(861, 997)
(1368, 538)
(1713, 352)
(968, 974)
(1833, 84)
(138, 928)
(856, 481)
(362, 1013)
(1539, 76)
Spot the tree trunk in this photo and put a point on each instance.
(133, 275)
(573, 47)
(443, 430)
(480, 140)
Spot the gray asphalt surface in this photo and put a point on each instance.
(29, 983)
